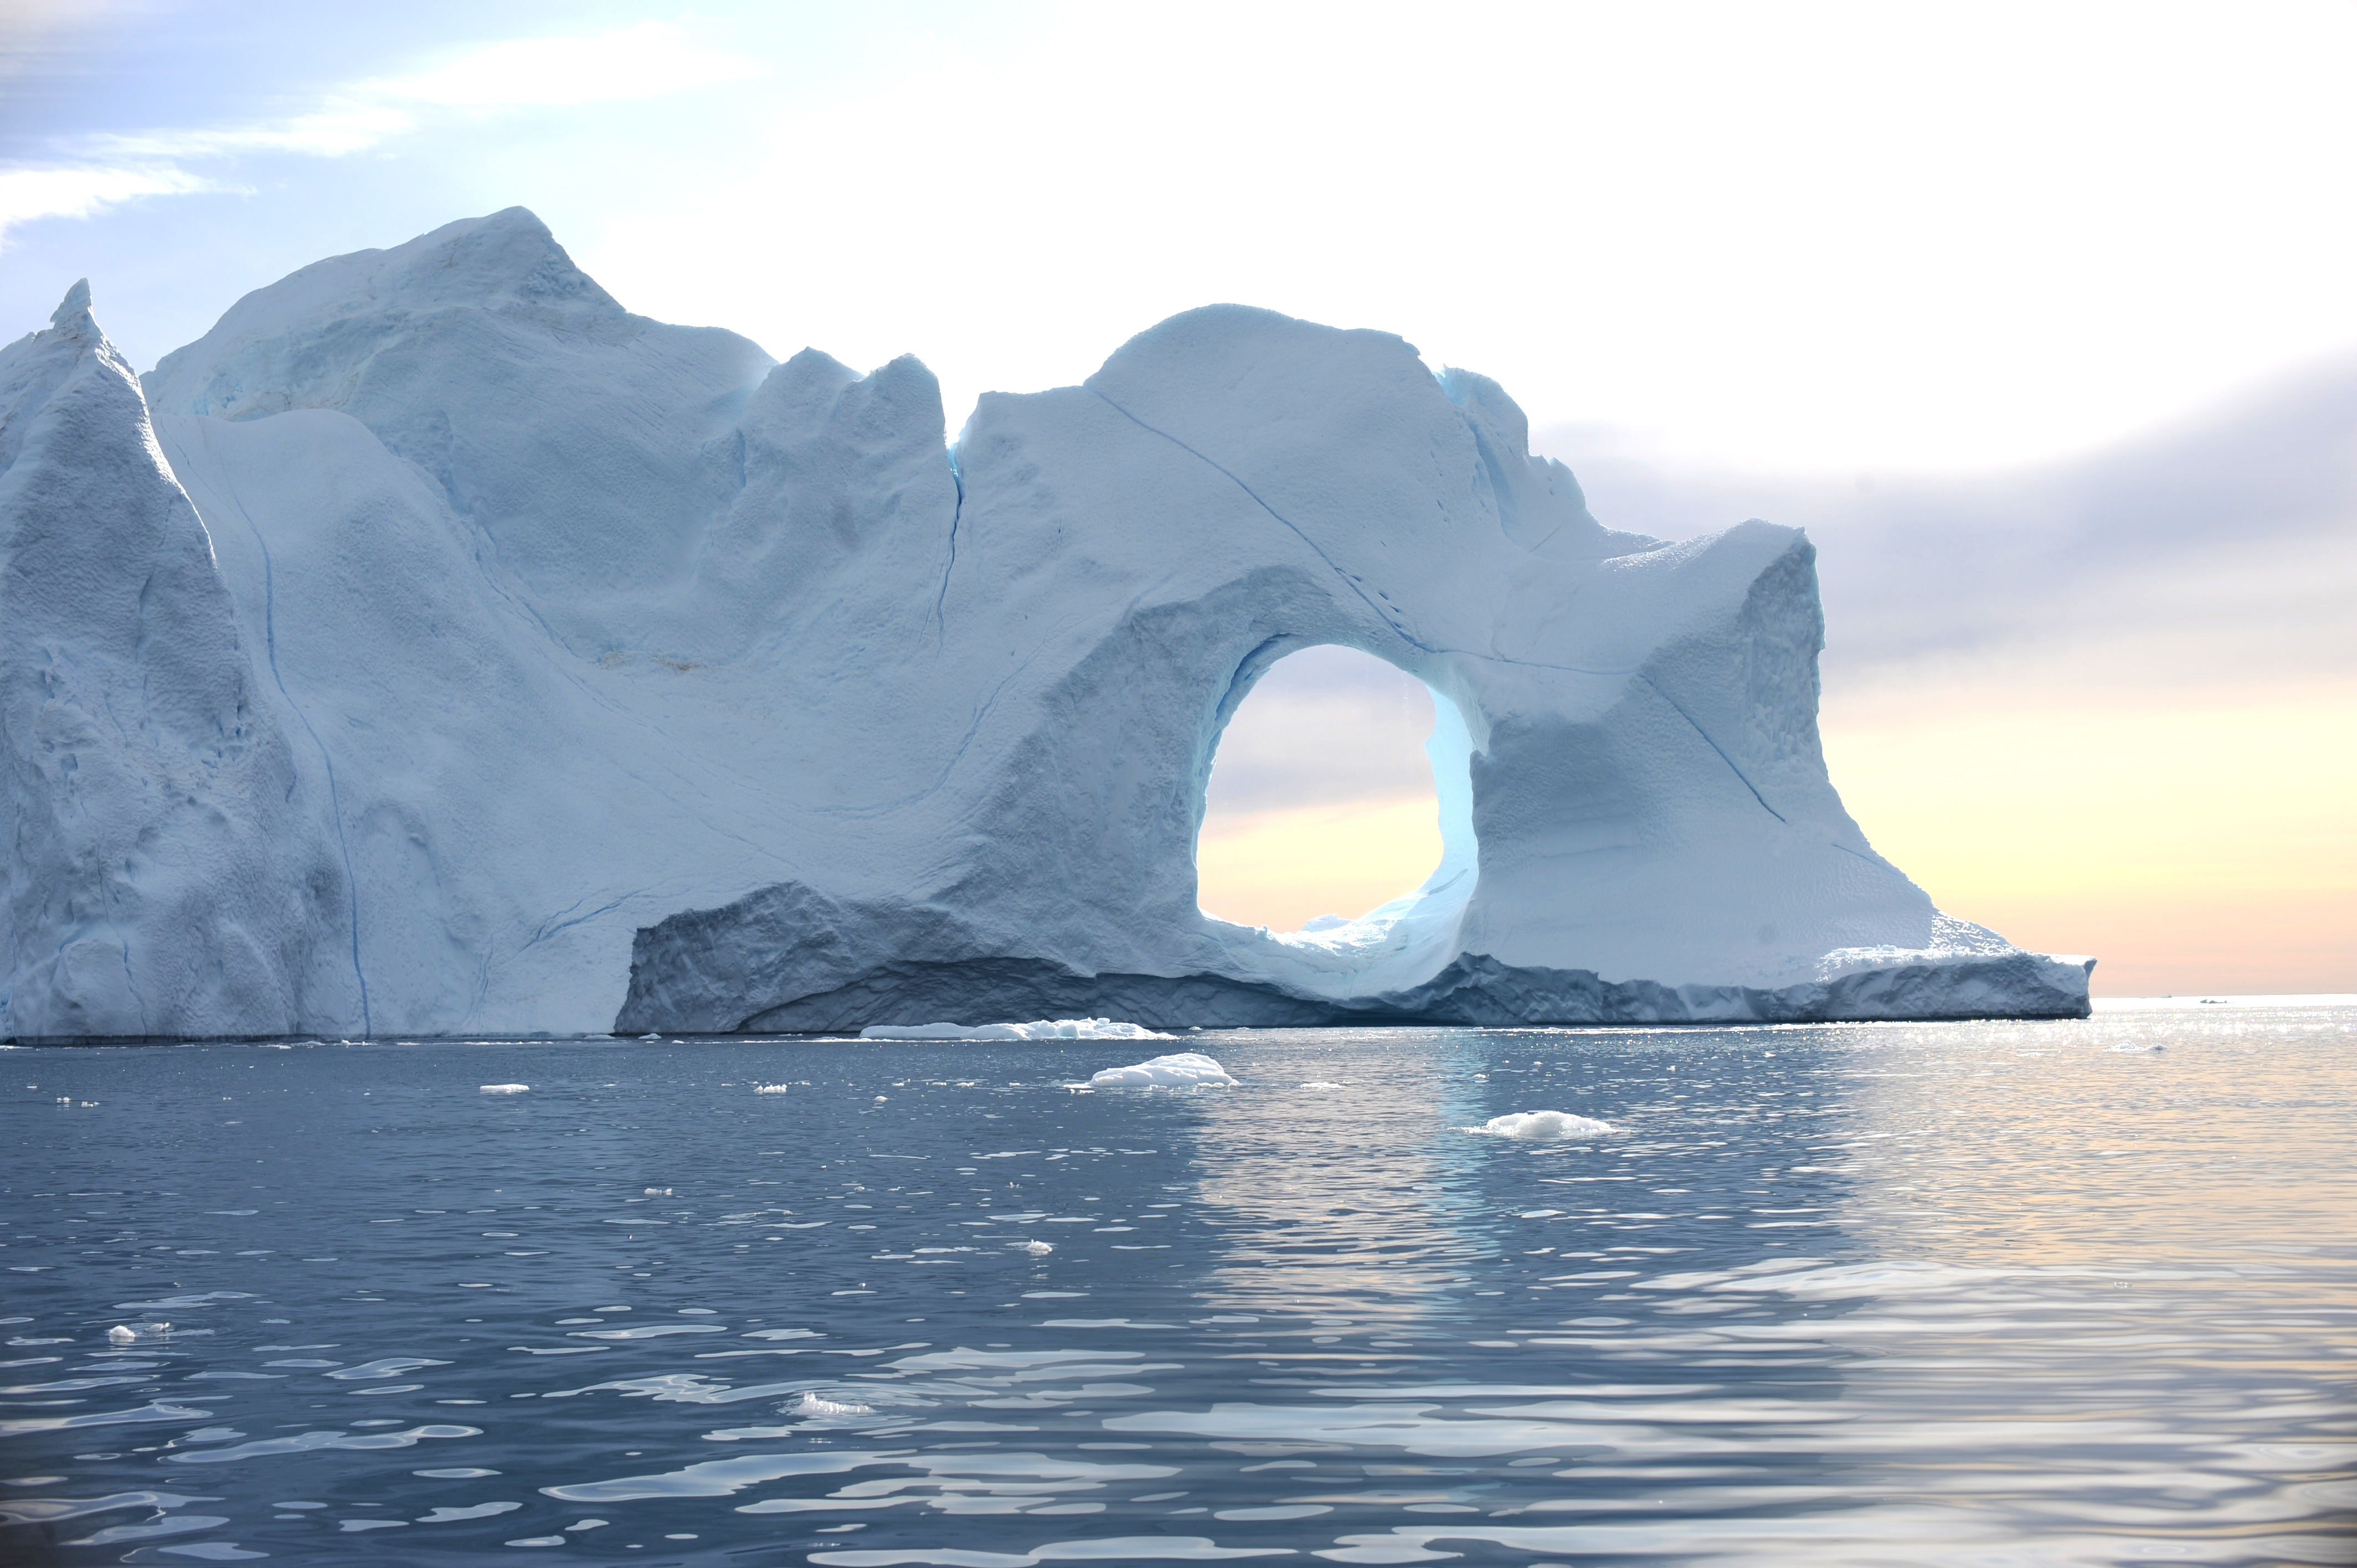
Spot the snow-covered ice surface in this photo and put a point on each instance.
(1542, 1126)
(438, 648)
(1044, 1029)
(1181, 1070)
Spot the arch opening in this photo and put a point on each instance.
(1338, 791)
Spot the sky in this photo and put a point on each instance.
(2037, 317)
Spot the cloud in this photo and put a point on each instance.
(78, 191)
(2220, 549)
(331, 130)
(652, 60)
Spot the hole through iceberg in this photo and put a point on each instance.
(1340, 784)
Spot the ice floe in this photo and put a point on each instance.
(507, 1088)
(1542, 1126)
(1040, 1029)
(1172, 1071)
(812, 1404)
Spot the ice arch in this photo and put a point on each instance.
(1321, 803)
(1657, 837)
(851, 733)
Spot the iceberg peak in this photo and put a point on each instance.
(72, 314)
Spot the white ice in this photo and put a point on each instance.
(1043, 1029)
(1542, 1126)
(859, 725)
(1173, 1071)
(507, 1087)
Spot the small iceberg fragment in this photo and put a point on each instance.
(812, 1404)
(119, 1335)
(1038, 1249)
(771, 1088)
(1040, 1029)
(1176, 1071)
(1542, 1126)
(507, 1088)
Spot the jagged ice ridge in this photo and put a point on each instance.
(436, 647)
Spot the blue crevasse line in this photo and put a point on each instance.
(335, 802)
(1731, 768)
(941, 599)
(1875, 861)
(1382, 611)
(973, 729)
(555, 923)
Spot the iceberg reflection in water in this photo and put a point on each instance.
(1956, 1293)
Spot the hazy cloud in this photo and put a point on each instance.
(2221, 549)
(650, 59)
(77, 192)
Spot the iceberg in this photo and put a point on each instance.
(436, 647)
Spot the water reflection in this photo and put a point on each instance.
(1857, 1294)
(1328, 1192)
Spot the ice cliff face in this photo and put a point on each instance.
(603, 674)
(167, 874)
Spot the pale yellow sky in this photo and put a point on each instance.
(2193, 840)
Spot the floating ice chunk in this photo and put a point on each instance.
(1176, 1071)
(1038, 1249)
(812, 1404)
(119, 1335)
(771, 1088)
(1542, 1126)
(506, 1088)
(1042, 1029)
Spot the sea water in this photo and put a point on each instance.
(1974, 1294)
